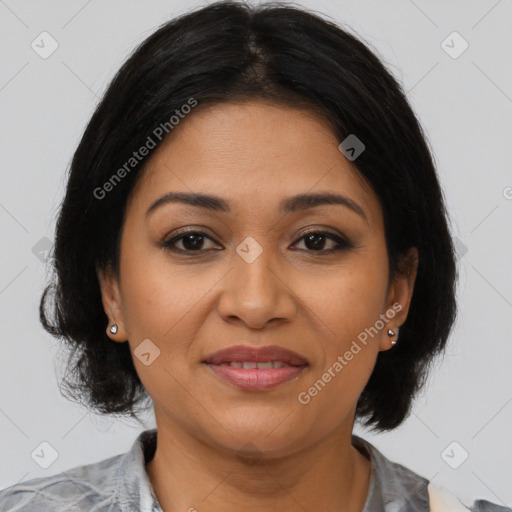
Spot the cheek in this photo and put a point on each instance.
(158, 294)
(166, 303)
(161, 302)
(333, 390)
(351, 300)
(348, 304)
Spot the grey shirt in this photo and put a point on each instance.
(121, 484)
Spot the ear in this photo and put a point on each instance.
(399, 297)
(112, 303)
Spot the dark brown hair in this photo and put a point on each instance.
(230, 51)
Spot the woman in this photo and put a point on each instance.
(253, 240)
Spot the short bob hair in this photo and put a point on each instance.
(233, 52)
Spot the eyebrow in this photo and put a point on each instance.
(289, 205)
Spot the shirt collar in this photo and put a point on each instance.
(392, 487)
(134, 488)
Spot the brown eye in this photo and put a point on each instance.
(315, 241)
(192, 241)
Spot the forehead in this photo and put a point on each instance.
(252, 154)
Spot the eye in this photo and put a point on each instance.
(191, 240)
(314, 240)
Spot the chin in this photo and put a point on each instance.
(258, 437)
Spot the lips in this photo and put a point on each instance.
(256, 369)
(246, 354)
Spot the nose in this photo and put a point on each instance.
(257, 292)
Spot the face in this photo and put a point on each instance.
(313, 280)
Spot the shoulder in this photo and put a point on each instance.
(116, 484)
(442, 499)
(397, 487)
(76, 489)
(487, 506)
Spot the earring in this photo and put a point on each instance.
(392, 333)
(113, 329)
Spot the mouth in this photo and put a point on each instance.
(252, 365)
(256, 369)
(249, 354)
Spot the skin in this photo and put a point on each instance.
(220, 447)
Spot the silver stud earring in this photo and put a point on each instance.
(113, 329)
(392, 333)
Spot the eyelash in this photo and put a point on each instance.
(343, 244)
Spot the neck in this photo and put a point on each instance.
(186, 474)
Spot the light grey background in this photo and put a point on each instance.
(465, 106)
